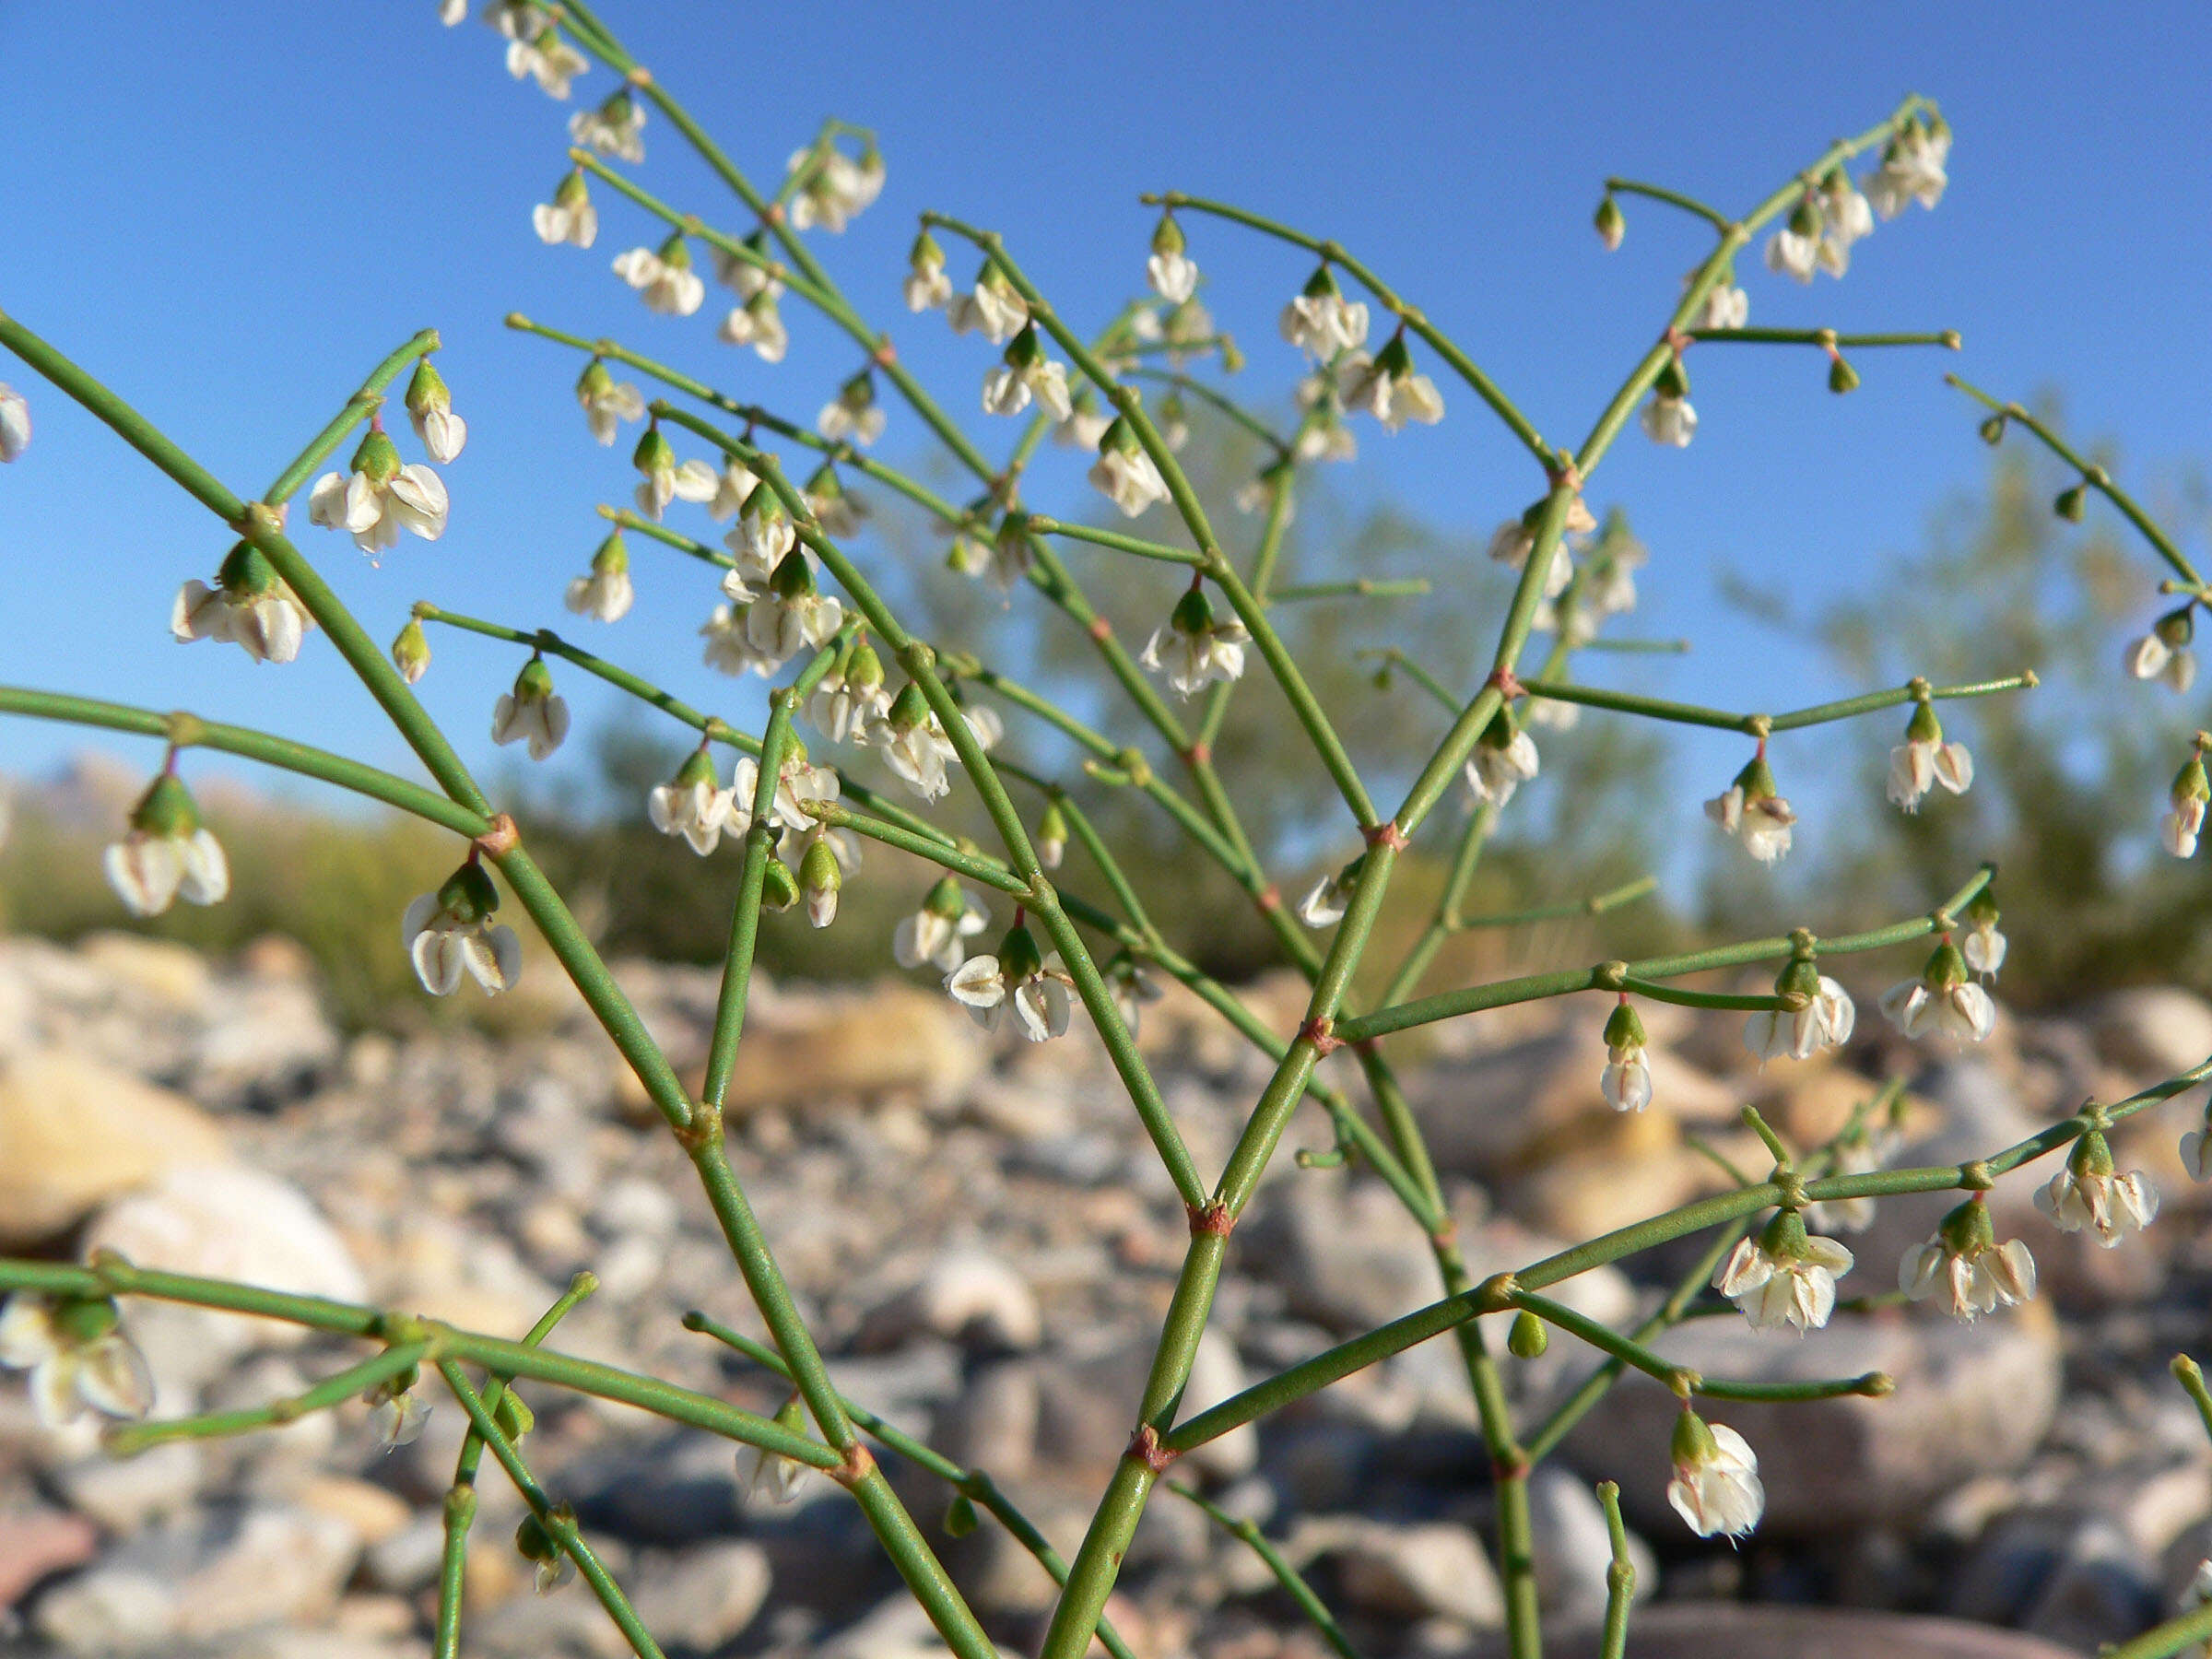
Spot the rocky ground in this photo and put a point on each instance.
(986, 1244)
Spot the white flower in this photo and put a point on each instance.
(836, 189)
(664, 280)
(1793, 252)
(799, 782)
(851, 697)
(2169, 660)
(728, 648)
(1386, 387)
(1715, 1487)
(835, 513)
(1727, 306)
(605, 589)
(992, 306)
(451, 12)
(1824, 1022)
(440, 432)
(166, 854)
(732, 490)
(791, 616)
(1035, 987)
(1919, 764)
(1173, 277)
(2197, 1152)
(666, 479)
(1669, 421)
(1504, 758)
(1124, 474)
(1844, 219)
(1942, 1002)
(77, 1356)
(380, 498)
(398, 1412)
(569, 217)
(1321, 322)
(1085, 428)
(1131, 988)
(1912, 169)
(1199, 649)
(1008, 387)
(914, 743)
(250, 606)
(1983, 947)
(546, 58)
(853, 413)
(932, 936)
(759, 324)
(534, 1543)
(693, 804)
(533, 712)
(1964, 1265)
(2088, 1195)
(926, 286)
(607, 402)
(452, 931)
(1751, 811)
(1325, 899)
(14, 422)
(1626, 1081)
(2177, 829)
(1783, 1277)
(616, 128)
(751, 273)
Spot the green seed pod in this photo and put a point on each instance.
(612, 558)
(1993, 430)
(167, 808)
(1194, 614)
(1018, 958)
(2071, 504)
(1528, 1338)
(426, 390)
(1841, 376)
(960, 1518)
(534, 1542)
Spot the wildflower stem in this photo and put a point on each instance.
(1673, 198)
(1826, 337)
(1358, 587)
(1116, 540)
(1293, 1582)
(2092, 474)
(129, 1439)
(691, 225)
(1620, 1576)
(1656, 708)
(1595, 905)
(358, 408)
(558, 1523)
(623, 518)
(1206, 395)
(2191, 1376)
(975, 868)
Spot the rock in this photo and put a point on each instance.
(1574, 1549)
(375, 1513)
(107, 1610)
(2153, 1032)
(967, 1296)
(172, 975)
(221, 1221)
(124, 1494)
(281, 1565)
(267, 1044)
(1344, 1252)
(1430, 1569)
(1701, 1630)
(1970, 1400)
(2101, 1589)
(408, 1558)
(1215, 1374)
(703, 1597)
(75, 1133)
(36, 1543)
(891, 1038)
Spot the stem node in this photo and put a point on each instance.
(1145, 1447)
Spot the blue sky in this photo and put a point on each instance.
(231, 212)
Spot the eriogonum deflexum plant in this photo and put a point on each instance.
(900, 722)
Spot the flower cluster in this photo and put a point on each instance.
(1019, 977)
(168, 854)
(1784, 1277)
(1964, 1267)
(378, 497)
(1942, 1001)
(2088, 1196)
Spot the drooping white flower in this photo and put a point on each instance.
(2088, 1196)
(451, 932)
(792, 615)
(926, 287)
(1124, 474)
(836, 187)
(1783, 1277)
(547, 59)
(1131, 988)
(1942, 1001)
(1195, 650)
(663, 279)
(1844, 219)
(168, 854)
(693, 804)
(1387, 387)
(821, 879)
(1005, 560)
(912, 742)
(1051, 839)
(430, 411)
(76, 1353)
(836, 512)
(1025, 371)
(1751, 811)
(14, 422)
(250, 605)
(1669, 419)
(2197, 1151)
(728, 648)
(1964, 1266)
(569, 217)
(759, 324)
(1794, 249)
(1626, 1081)
(2164, 653)
(453, 12)
(1727, 306)
(1325, 899)
(1983, 947)
(991, 306)
(1171, 272)
(534, 1544)
(605, 589)
(1034, 986)
(397, 1411)
(1912, 168)
(1085, 427)
(616, 128)
(853, 413)
(607, 402)
(378, 498)
(849, 699)
(1715, 1487)
(666, 479)
(2180, 828)
(1504, 757)
(533, 712)
(1824, 1022)
(766, 1477)
(930, 937)
(1924, 759)
(1515, 540)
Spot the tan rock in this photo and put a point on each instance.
(373, 1512)
(890, 1039)
(174, 975)
(75, 1133)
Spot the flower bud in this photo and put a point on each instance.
(1841, 376)
(468, 895)
(1993, 430)
(779, 886)
(1232, 356)
(1024, 348)
(411, 651)
(908, 709)
(246, 570)
(1612, 224)
(676, 253)
(1528, 1338)
(1167, 236)
(1018, 958)
(1804, 218)
(378, 457)
(167, 809)
(653, 453)
(959, 1516)
(2071, 504)
(792, 577)
(572, 193)
(820, 879)
(426, 390)
(1051, 836)
(1625, 1028)
(1673, 380)
(946, 900)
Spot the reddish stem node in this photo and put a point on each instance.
(1318, 1032)
(1145, 1447)
(1387, 834)
(1101, 629)
(1211, 1220)
(501, 838)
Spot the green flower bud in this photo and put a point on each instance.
(1993, 430)
(1945, 968)
(167, 808)
(1673, 381)
(572, 193)
(1923, 727)
(1625, 1028)
(676, 253)
(1841, 376)
(1528, 1338)
(613, 557)
(596, 381)
(959, 1516)
(1804, 218)
(1982, 910)
(1119, 435)
(2176, 628)
(655, 452)
(2189, 783)
(1018, 958)
(246, 570)
(946, 900)
(1395, 359)
(1024, 348)
(1756, 780)
(1167, 236)
(779, 888)
(1322, 284)
(80, 1320)
(1194, 614)
(411, 651)
(468, 894)
(792, 577)
(863, 670)
(925, 252)
(1966, 1230)
(1612, 224)
(426, 390)
(699, 768)
(908, 709)
(534, 1542)
(819, 871)
(1784, 1238)
(378, 458)
(1051, 827)
(2092, 1155)
(535, 683)
(1693, 1443)
(2071, 504)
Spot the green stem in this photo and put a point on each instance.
(1826, 337)
(691, 225)
(1206, 395)
(358, 408)
(626, 519)
(130, 1439)
(1673, 198)
(1620, 1576)
(2191, 1376)
(1116, 540)
(1358, 587)
(1294, 1584)
(1595, 905)
(1656, 708)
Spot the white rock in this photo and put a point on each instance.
(107, 1610)
(1433, 1570)
(704, 1597)
(283, 1566)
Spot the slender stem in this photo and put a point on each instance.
(2092, 474)
(1294, 1584)
(1358, 587)
(560, 1524)
(974, 867)
(1673, 198)
(1206, 395)
(129, 1439)
(2176, 1635)
(1826, 337)
(626, 519)
(188, 731)
(1595, 905)
(1116, 540)
(2191, 1376)
(1620, 1576)
(691, 225)
(359, 407)
(1656, 708)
